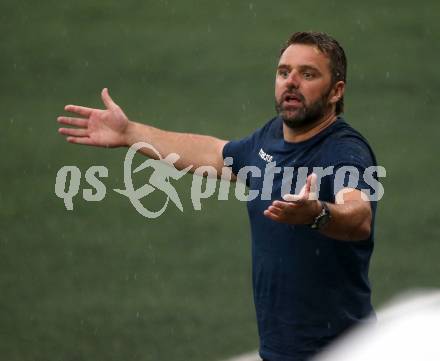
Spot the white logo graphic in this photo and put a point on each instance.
(205, 181)
(266, 157)
(159, 180)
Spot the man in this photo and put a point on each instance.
(311, 250)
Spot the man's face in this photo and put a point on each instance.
(302, 85)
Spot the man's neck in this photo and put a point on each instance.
(304, 133)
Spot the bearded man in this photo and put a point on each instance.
(310, 250)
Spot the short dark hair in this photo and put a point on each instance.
(328, 46)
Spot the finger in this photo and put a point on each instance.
(74, 132)
(77, 122)
(307, 187)
(107, 100)
(294, 198)
(306, 193)
(313, 189)
(275, 210)
(80, 140)
(83, 111)
(272, 216)
(282, 205)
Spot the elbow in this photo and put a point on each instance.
(363, 229)
(363, 232)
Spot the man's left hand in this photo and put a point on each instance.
(297, 209)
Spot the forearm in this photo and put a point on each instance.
(349, 221)
(193, 149)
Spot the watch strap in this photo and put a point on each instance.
(322, 218)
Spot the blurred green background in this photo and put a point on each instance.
(103, 283)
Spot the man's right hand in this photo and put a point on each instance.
(111, 128)
(97, 127)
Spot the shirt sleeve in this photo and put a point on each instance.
(239, 152)
(242, 151)
(354, 166)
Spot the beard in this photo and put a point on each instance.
(305, 115)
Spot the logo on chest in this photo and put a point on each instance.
(266, 157)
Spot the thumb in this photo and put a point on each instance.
(308, 192)
(292, 198)
(107, 100)
(312, 183)
(304, 195)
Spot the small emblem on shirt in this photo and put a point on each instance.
(266, 157)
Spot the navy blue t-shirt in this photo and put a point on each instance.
(308, 288)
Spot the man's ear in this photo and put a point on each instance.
(337, 92)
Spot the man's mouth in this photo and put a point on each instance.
(292, 99)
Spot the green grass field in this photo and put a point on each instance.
(103, 283)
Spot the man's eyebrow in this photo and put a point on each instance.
(301, 67)
(309, 67)
(284, 66)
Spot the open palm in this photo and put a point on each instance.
(299, 208)
(98, 127)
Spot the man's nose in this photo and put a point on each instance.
(293, 80)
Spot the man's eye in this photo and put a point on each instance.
(308, 75)
(283, 73)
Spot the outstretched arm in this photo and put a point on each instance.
(350, 216)
(110, 127)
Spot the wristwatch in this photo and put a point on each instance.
(322, 218)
